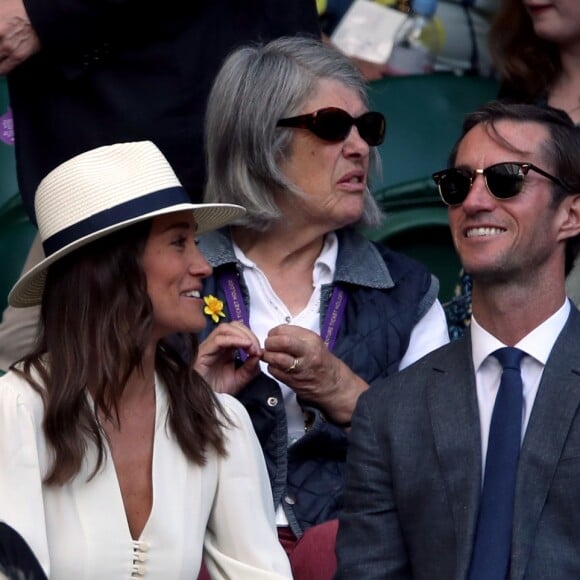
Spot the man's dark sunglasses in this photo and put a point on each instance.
(503, 180)
(334, 125)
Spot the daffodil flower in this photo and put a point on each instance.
(214, 308)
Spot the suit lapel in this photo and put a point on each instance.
(554, 409)
(452, 401)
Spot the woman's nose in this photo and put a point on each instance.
(354, 144)
(199, 266)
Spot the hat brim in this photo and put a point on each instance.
(29, 288)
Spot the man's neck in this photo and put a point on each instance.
(511, 313)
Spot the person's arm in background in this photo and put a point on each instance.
(371, 71)
(18, 40)
(17, 561)
(323, 379)
(73, 31)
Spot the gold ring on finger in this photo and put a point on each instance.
(295, 364)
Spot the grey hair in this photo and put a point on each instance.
(257, 86)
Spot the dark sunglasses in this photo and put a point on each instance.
(503, 180)
(334, 125)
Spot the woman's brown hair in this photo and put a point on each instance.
(95, 325)
(526, 64)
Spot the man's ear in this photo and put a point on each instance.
(570, 225)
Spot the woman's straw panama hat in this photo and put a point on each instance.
(101, 191)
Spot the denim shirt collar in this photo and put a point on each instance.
(359, 262)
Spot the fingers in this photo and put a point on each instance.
(294, 366)
(248, 371)
(215, 361)
(296, 340)
(297, 357)
(230, 336)
(18, 40)
(287, 348)
(233, 379)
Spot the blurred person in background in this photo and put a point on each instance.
(536, 50)
(463, 27)
(17, 562)
(466, 25)
(85, 74)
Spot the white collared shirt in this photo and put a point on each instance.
(537, 345)
(268, 311)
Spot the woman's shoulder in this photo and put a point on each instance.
(400, 265)
(353, 243)
(18, 394)
(239, 432)
(243, 451)
(13, 384)
(234, 410)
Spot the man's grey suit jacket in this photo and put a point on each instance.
(414, 472)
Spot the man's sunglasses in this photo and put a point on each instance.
(503, 180)
(334, 125)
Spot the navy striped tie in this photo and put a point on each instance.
(491, 551)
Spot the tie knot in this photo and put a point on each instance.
(509, 357)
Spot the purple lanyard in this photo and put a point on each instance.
(231, 287)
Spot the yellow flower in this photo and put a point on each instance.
(213, 307)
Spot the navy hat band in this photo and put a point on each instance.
(134, 208)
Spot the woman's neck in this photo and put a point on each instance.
(279, 248)
(286, 260)
(141, 383)
(565, 92)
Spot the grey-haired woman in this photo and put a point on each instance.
(290, 137)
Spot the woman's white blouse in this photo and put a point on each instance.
(80, 530)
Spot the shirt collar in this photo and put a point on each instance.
(358, 262)
(538, 343)
(324, 267)
(325, 264)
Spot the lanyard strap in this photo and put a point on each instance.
(233, 293)
(231, 287)
(333, 317)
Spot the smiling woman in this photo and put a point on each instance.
(122, 461)
(289, 136)
(175, 268)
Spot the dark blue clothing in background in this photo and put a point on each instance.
(17, 562)
(130, 70)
